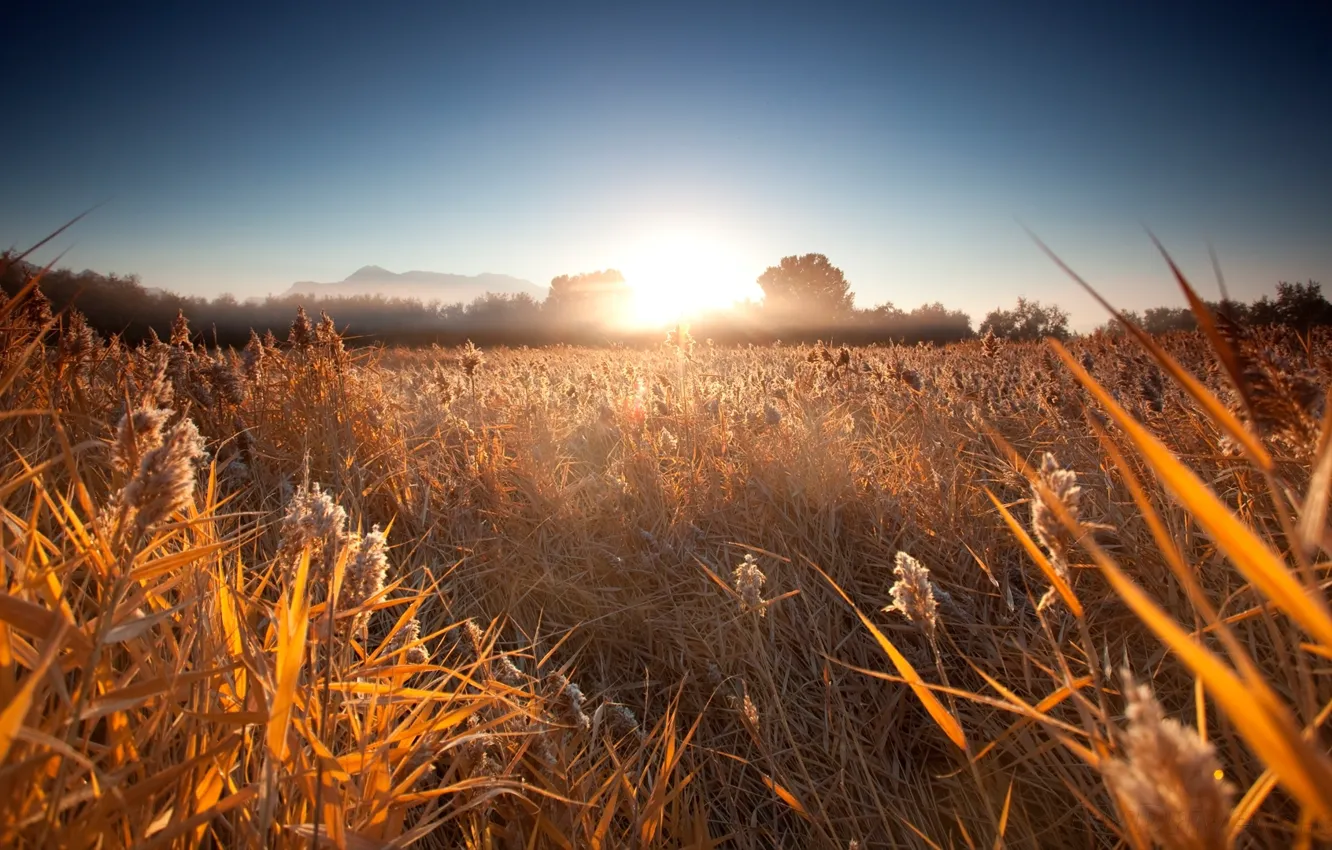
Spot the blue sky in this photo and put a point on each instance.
(242, 147)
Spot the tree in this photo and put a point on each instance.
(809, 286)
(1235, 311)
(1302, 305)
(591, 296)
(1160, 320)
(496, 308)
(1264, 311)
(1030, 320)
(937, 323)
(883, 314)
(1114, 327)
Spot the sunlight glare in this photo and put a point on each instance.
(678, 274)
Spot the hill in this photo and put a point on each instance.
(422, 285)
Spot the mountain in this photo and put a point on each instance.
(425, 286)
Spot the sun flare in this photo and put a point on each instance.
(678, 274)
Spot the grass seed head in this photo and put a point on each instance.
(1169, 779)
(407, 636)
(913, 593)
(139, 432)
(749, 581)
(1063, 485)
(565, 700)
(315, 520)
(365, 571)
(622, 722)
(164, 481)
(78, 341)
(180, 331)
(471, 360)
(35, 311)
(302, 333)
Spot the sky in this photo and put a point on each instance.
(240, 147)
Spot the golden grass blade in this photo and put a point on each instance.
(1253, 798)
(135, 627)
(945, 721)
(1054, 698)
(602, 829)
(33, 472)
(1207, 324)
(121, 699)
(1056, 581)
(231, 631)
(176, 830)
(1218, 412)
(35, 620)
(1267, 727)
(293, 623)
(1003, 817)
(13, 714)
(1249, 804)
(1183, 573)
(27, 252)
(1012, 702)
(1312, 526)
(172, 563)
(786, 796)
(921, 835)
(1250, 555)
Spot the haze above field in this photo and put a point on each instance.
(239, 148)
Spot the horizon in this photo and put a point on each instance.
(691, 149)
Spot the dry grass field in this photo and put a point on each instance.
(977, 596)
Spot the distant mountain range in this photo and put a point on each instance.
(425, 286)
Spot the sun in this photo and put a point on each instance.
(677, 273)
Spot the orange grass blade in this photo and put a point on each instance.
(1061, 587)
(11, 718)
(1182, 571)
(1003, 817)
(787, 797)
(1191, 385)
(293, 623)
(1207, 324)
(1251, 556)
(941, 716)
(1312, 524)
(35, 620)
(1267, 727)
(1051, 700)
(1249, 804)
(1253, 798)
(167, 836)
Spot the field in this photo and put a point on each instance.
(615, 598)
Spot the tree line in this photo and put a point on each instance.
(805, 297)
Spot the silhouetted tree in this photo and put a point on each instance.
(588, 297)
(927, 323)
(579, 306)
(1235, 311)
(807, 285)
(1264, 311)
(1159, 320)
(1113, 326)
(498, 309)
(936, 323)
(1302, 305)
(1029, 320)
